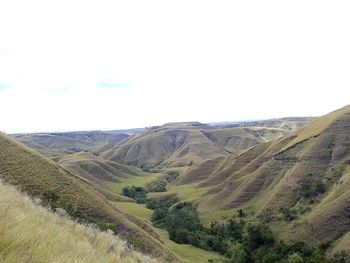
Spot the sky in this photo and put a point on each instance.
(86, 65)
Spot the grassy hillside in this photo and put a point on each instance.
(57, 187)
(299, 182)
(185, 144)
(31, 234)
(97, 169)
(58, 144)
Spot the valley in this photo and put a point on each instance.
(284, 179)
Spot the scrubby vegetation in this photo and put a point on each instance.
(239, 241)
(171, 176)
(135, 192)
(30, 233)
(139, 193)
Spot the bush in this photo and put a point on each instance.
(158, 186)
(265, 216)
(288, 214)
(136, 193)
(341, 257)
(236, 253)
(259, 235)
(171, 176)
(313, 188)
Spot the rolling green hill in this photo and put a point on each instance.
(300, 182)
(185, 144)
(58, 188)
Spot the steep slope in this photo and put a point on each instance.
(32, 234)
(58, 144)
(308, 171)
(185, 144)
(57, 187)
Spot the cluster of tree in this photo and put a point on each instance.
(139, 194)
(158, 186)
(161, 208)
(239, 241)
(313, 187)
(171, 176)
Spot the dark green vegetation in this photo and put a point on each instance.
(135, 192)
(237, 240)
(234, 238)
(139, 194)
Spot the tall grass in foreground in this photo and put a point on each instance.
(30, 233)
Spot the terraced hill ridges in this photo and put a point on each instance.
(185, 144)
(307, 171)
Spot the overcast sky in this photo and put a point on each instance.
(82, 65)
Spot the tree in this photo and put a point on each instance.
(259, 235)
(236, 253)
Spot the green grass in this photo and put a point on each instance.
(136, 209)
(134, 180)
(188, 253)
(187, 192)
(31, 234)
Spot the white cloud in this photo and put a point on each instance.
(179, 60)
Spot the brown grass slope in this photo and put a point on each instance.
(272, 175)
(184, 144)
(97, 169)
(40, 177)
(32, 234)
(58, 144)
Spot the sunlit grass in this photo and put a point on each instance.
(134, 180)
(31, 234)
(136, 209)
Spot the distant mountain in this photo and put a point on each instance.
(287, 123)
(305, 173)
(59, 144)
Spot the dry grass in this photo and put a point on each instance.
(29, 233)
(272, 175)
(180, 145)
(39, 177)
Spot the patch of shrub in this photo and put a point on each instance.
(288, 214)
(171, 176)
(158, 186)
(313, 188)
(135, 192)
